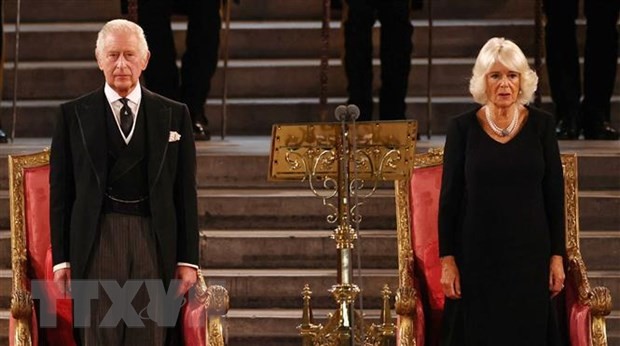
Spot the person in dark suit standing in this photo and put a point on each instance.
(198, 62)
(123, 190)
(358, 20)
(592, 113)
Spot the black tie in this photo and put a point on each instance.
(126, 117)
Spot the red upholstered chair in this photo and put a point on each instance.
(419, 300)
(32, 260)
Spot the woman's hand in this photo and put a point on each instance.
(556, 275)
(450, 278)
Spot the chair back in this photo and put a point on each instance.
(31, 255)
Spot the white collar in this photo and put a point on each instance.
(134, 96)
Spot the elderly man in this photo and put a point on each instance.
(123, 190)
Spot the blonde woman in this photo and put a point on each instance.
(501, 219)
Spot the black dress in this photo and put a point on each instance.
(502, 217)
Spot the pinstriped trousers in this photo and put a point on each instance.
(126, 250)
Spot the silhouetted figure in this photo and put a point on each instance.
(592, 113)
(199, 61)
(395, 53)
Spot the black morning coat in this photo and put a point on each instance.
(79, 172)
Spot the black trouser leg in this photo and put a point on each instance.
(161, 74)
(358, 22)
(562, 57)
(201, 55)
(601, 60)
(396, 47)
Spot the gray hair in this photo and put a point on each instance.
(499, 49)
(122, 26)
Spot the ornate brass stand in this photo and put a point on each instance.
(341, 157)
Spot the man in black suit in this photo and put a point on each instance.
(123, 191)
(199, 61)
(592, 114)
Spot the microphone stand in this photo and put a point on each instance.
(3, 137)
(16, 67)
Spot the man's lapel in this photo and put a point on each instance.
(91, 120)
(158, 121)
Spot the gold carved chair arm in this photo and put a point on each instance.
(216, 301)
(597, 298)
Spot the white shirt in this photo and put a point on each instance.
(134, 97)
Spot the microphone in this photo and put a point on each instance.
(341, 113)
(347, 113)
(354, 111)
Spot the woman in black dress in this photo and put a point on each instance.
(501, 215)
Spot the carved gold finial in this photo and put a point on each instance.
(386, 312)
(307, 320)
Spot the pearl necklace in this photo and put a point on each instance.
(499, 131)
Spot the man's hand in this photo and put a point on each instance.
(450, 278)
(556, 275)
(187, 277)
(62, 280)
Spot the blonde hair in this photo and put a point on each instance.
(499, 49)
(122, 26)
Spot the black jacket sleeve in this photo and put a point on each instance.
(452, 188)
(553, 185)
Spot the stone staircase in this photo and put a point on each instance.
(264, 240)
(273, 73)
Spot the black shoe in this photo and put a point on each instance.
(567, 129)
(3, 137)
(201, 132)
(603, 131)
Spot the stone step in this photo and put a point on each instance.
(308, 249)
(5, 250)
(293, 249)
(256, 116)
(103, 10)
(280, 288)
(278, 39)
(600, 250)
(278, 327)
(597, 171)
(4, 327)
(275, 288)
(272, 327)
(250, 327)
(246, 78)
(599, 210)
(315, 249)
(219, 161)
(278, 209)
(613, 327)
(247, 116)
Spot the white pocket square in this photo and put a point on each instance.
(174, 136)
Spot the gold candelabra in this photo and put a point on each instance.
(342, 157)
